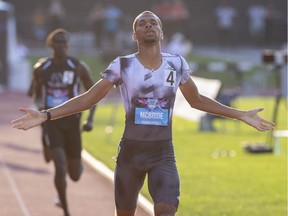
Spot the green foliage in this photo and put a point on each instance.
(217, 176)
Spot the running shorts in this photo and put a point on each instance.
(65, 133)
(135, 160)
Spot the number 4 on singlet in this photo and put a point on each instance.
(170, 78)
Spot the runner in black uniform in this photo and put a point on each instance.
(55, 80)
(148, 81)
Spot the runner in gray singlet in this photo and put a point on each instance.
(146, 146)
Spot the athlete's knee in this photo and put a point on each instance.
(120, 212)
(74, 176)
(60, 170)
(59, 160)
(164, 209)
(75, 173)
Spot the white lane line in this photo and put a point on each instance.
(109, 174)
(14, 188)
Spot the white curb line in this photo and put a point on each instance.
(109, 174)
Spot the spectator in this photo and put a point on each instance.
(38, 24)
(273, 20)
(180, 16)
(96, 17)
(22, 50)
(174, 14)
(225, 22)
(112, 23)
(180, 45)
(164, 10)
(257, 14)
(56, 14)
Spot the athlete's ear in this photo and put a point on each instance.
(161, 35)
(133, 36)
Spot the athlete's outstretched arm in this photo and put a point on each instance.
(201, 102)
(77, 104)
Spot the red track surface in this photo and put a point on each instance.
(26, 181)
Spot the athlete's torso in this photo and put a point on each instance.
(148, 96)
(59, 82)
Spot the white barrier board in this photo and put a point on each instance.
(207, 87)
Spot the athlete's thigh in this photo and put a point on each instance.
(128, 183)
(73, 143)
(73, 146)
(164, 184)
(75, 168)
(128, 179)
(55, 134)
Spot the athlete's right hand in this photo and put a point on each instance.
(31, 119)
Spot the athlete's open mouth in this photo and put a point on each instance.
(149, 33)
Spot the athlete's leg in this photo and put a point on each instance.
(127, 186)
(45, 144)
(73, 147)
(59, 158)
(75, 169)
(128, 179)
(164, 209)
(120, 212)
(164, 184)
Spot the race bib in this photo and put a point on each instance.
(68, 77)
(170, 77)
(152, 111)
(56, 97)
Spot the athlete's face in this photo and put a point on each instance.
(147, 28)
(59, 44)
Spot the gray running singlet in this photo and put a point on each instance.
(148, 96)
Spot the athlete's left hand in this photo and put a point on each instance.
(252, 118)
(87, 126)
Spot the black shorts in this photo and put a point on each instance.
(136, 159)
(65, 133)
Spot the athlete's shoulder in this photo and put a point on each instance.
(170, 55)
(175, 58)
(129, 56)
(72, 62)
(42, 62)
(124, 61)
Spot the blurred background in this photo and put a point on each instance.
(238, 52)
(198, 19)
(240, 44)
(104, 27)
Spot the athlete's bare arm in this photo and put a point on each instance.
(85, 75)
(86, 78)
(201, 102)
(77, 104)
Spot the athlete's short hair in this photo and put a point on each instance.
(49, 39)
(146, 12)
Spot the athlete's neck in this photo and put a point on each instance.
(58, 59)
(150, 58)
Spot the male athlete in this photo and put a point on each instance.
(57, 79)
(148, 81)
